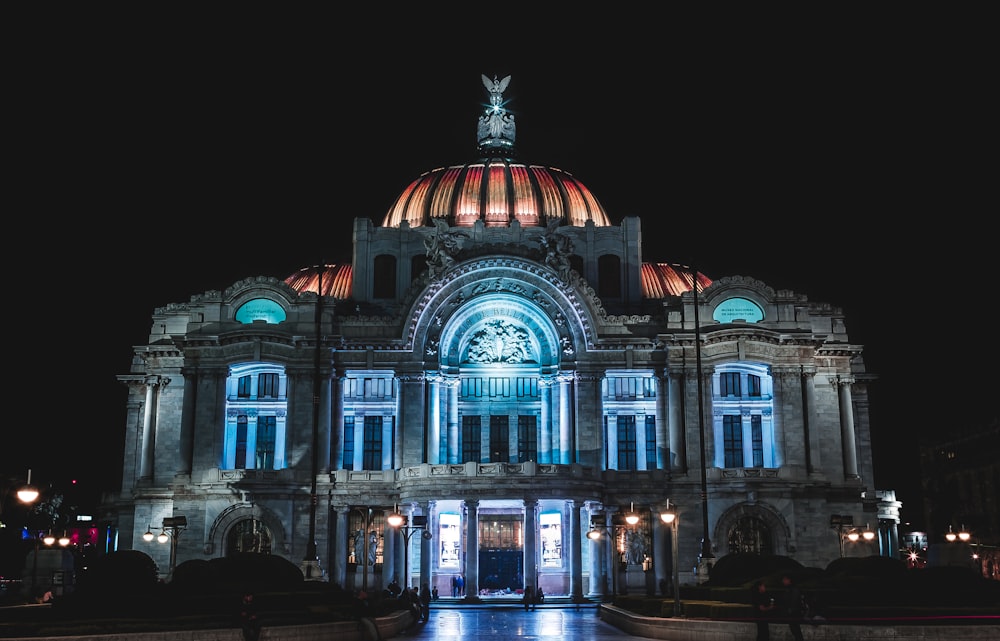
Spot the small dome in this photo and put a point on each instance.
(335, 280)
(496, 189)
(662, 280)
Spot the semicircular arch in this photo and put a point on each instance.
(527, 288)
(229, 518)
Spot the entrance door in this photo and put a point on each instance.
(501, 553)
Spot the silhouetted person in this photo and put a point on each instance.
(762, 604)
(792, 602)
(249, 620)
(425, 602)
(528, 598)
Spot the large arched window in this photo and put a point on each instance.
(249, 535)
(742, 400)
(750, 535)
(256, 406)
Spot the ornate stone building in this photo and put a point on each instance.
(500, 365)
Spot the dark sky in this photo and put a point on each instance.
(847, 165)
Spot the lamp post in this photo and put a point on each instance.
(670, 517)
(173, 527)
(28, 494)
(401, 523)
(704, 562)
(615, 554)
(368, 515)
(846, 530)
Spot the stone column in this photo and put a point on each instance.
(565, 420)
(187, 421)
(472, 550)
(545, 440)
(434, 420)
(612, 437)
(340, 546)
(678, 453)
(661, 550)
(146, 469)
(847, 435)
(598, 577)
(325, 410)
(531, 543)
(338, 425)
(663, 448)
(814, 453)
(454, 453)
(576, 553)
(426, 552)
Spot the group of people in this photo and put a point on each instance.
(531, 598)
(457, 586)
(790, 607)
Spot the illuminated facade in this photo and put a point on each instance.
(500, 365)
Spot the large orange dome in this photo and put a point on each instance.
(496, 191)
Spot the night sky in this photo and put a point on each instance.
(847, 166)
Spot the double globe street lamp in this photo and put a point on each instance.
(171, 530)
(597, 531)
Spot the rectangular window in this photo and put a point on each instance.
(757, 434)
(753, 385)
(732, 440)
(500, 387)
(241, 443)
(450, 536)
(472, 436)
(626, 443)
(267, 386)
(371, 454)
(527, 439)
(472, 387)
(527, 387)
(729, 384)
(243, 387)
(650, 442)
(348, 443)
(499, 439)
(267, 427)
(371, 443)
(550, 528)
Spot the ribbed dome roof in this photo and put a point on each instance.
(496, 189)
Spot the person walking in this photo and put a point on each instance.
(248, 618)
(792, 601)
(763, 604)
(528, 598)
(425, 602)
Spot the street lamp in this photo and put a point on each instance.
(400, 522)
(173, 527)
(615, 554)
(670, 517)
(963, 535)
(29, 493)
(844, 526)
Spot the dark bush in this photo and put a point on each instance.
(237, 573)
(742, 569)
